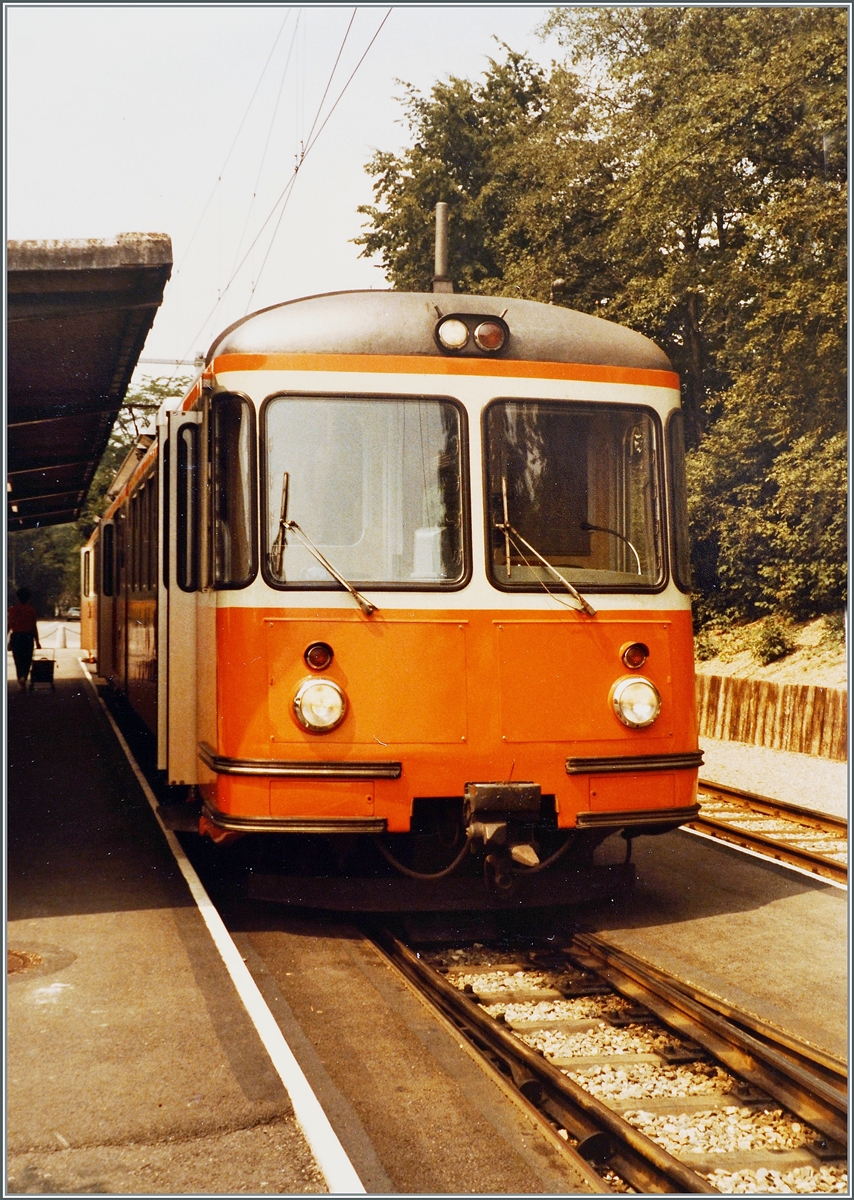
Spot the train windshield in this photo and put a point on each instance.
(376, 484)
(576, 487)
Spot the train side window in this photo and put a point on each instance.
(143, 539)
(108, 559)
(152, 532)
(166, 513)
(235, 541)
(133, 539)
(187, 509)
(681, 541)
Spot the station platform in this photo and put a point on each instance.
(132, 1064)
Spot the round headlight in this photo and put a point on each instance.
(636, 701)
(452, 334)
(319, 705)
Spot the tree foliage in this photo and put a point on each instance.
(47, 560)
(683, 172)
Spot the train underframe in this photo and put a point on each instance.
(498, 846)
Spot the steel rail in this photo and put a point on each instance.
(811, 1056)
(774, 847)
(602, 1135)
(809, 1083)
(776, 808)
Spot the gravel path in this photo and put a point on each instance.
(816, 783)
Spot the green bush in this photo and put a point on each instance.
(706, 645)
(771, 641)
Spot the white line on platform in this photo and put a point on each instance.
(813, 875)
(338, 1171)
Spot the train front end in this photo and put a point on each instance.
(429, 573)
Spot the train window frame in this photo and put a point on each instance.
(108, 559)
(145, 534)
(166, 512)
(153, 513)
(134, 531)
(187, 509)
(87, 571)
(252, 574)
(677, 502)
(370, 585)
(659, 452)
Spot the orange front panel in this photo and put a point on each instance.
(622, 793)
(454, 698)
(333, 798)
(380, 665)
(553, 676)
(240, 796)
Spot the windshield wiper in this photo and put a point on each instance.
(585, 525)
(277, 554)
(511, 534)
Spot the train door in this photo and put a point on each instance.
(180, 461)
(120, 604)
(89, 599)
(106, 599)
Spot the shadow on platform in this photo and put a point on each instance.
(81, 836)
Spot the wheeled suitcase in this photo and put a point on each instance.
(42, 670)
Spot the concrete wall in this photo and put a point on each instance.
(781, 716)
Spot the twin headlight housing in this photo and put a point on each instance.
(320, 704)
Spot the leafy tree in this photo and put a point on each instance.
(47, 560)
(462, 133)
(685, 174)
(726, 132)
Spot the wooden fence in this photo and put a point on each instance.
(782, 716)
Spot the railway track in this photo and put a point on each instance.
(799, 837)
(659, 1087)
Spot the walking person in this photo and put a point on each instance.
(22, 625)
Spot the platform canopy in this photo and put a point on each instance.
(78, 315)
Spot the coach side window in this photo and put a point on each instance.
(152, 533)
(235, 555)
(187, 506)
(678, 502)
(108, 559)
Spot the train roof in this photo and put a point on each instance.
(403, 323)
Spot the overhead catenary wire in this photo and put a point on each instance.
(267, 143)
(286, 191)
(302, 156)
(233, 144)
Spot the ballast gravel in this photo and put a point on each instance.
(580, 1008)
(803, 1181)
(476, 955)
(723, 1131)
(494, 982)
(645, 1080)
(708, 1131)
(633, 1039)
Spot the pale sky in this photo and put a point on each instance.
(137, 118)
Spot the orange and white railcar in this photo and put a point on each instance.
(401, 563)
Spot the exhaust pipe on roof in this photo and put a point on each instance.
(441, 279)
